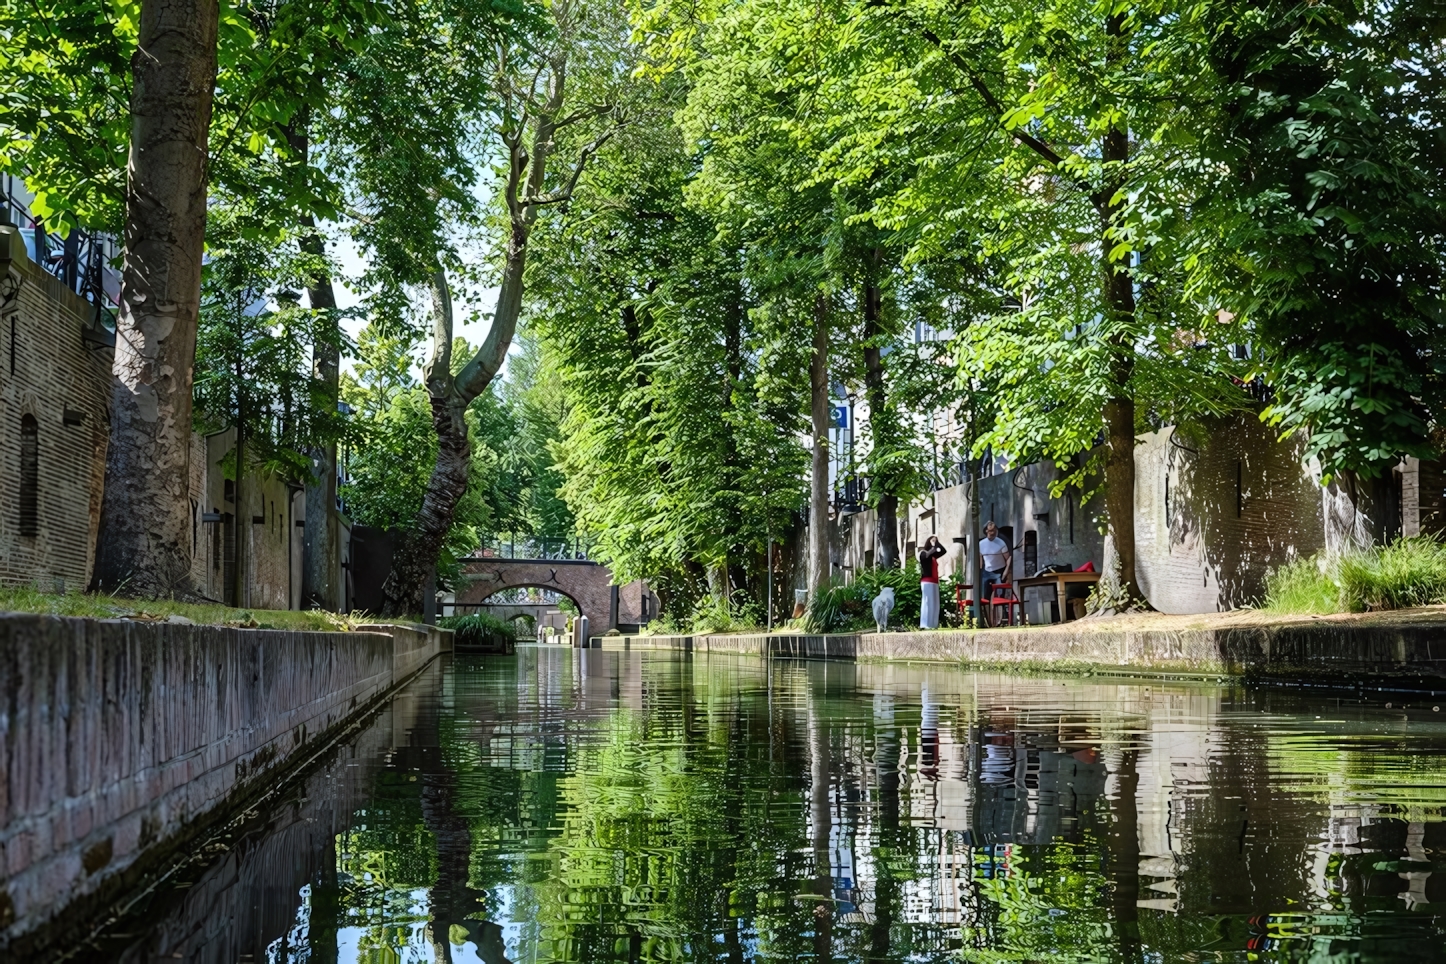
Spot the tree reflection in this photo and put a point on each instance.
(604, 807)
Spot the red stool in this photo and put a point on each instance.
(1003, 595)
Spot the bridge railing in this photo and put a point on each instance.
(533, 547)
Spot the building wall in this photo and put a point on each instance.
(268, 520)
(1215, 510)
(1064, 529)
(49, 372)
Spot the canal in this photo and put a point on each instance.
(595, 806)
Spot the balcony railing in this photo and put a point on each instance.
(534, 547)
(79, 260)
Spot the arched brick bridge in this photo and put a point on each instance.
(588, 584)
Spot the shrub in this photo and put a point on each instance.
(846, 607)
(1407, 572)
(1301, 586)
(481, 631)
(718, 614)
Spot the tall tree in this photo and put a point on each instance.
(821, 425)
(145, 512)
(554, 94)
(680, 445)
(1321, 223)
(1036, 143)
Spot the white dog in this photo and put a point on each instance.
(883, 603)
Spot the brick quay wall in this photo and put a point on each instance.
(122, 740)
(1403, 650)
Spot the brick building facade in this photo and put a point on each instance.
(54, 392)
(55, 387)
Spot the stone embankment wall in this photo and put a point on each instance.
(121, 740)
(1385, 652)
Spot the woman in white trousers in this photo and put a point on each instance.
(929, 582)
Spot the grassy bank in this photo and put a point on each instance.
(212, 614)
(1406, 573)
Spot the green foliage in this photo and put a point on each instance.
(848, 607)
(533, 394)
(724, 614)
(1402, 574)
(1300, 587)
(394, 449)
(481, 631)
(65, 106)
(255, 343)
(679, 410)
(1322, 217)
(65, 119)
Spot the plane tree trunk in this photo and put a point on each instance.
(144, 546)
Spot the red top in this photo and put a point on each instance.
(929, 563)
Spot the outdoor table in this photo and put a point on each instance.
(1059, 580)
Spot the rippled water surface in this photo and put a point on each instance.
(597, 806)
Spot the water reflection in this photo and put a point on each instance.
(592, 806)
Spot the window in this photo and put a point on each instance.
(29, 476)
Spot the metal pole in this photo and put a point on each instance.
(770, 584)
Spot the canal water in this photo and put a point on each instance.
(595, 806)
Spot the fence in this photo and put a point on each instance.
(534, 547)
(81, 259)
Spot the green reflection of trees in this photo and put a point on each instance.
(1050, 899)
(693, 810)
(383, 864)
(666, 835)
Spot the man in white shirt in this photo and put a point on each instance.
(995, 558)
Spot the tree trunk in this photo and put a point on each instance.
(145, 529)
(886, 532)
(321, 536)
(417, 552)
(1120, 586)
(321, 550)
(416, 556)
(818, 562)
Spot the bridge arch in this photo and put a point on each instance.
(588, 584)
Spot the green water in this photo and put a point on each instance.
(595, 806)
